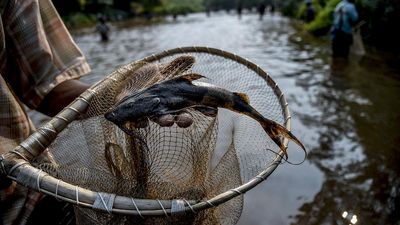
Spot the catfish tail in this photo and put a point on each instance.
(276, 132)
(241, 104)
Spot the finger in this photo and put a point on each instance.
(165, 120)
(183, 120)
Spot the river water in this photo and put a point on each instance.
(347, 114)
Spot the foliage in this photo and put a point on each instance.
(180, 6)
(301, 13)
(122, 4)
(289, 7)
(323, 21)
(149, 5)
(79, 19)
(233, 4)
(219, 4)
(382, 17)
(67, 7)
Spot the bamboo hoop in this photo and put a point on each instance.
(15, 164)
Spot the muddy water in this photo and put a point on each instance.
(347, 114)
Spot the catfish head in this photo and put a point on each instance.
(133, 111)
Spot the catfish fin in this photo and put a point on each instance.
(190, 77)
(244, 97)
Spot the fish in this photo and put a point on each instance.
(184, 92)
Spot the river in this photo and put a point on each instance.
(347, 115)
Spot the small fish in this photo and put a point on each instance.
(174, 95)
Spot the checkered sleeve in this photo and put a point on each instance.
(42, 52)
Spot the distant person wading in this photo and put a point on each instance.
(310, 11)
(103, 28)
(261, 10)
(345, 16)
(239, 10)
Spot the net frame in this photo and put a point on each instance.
(15, 164)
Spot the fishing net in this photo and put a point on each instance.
(161, 175)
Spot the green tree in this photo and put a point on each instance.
(65, 8)
(382, 17)
(149, 5)
(124, 5)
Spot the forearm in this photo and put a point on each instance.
(61, 96)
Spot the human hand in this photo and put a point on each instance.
(183, 120)
(60, 96)
(4, 182)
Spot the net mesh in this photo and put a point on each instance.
(213, 155)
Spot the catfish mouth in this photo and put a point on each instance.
(129, 127)
(110, 116)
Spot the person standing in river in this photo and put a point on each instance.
(310, 11)
(239, 10)
(102, 28)
(261, 10)
(344, 17)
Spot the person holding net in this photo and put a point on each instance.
(39, 66)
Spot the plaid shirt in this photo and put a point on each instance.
(36, 54)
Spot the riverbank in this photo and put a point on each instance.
(128, 22)
(80, 21)
(380, 19)
(85, 14)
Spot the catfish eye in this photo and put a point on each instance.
(110, 116)
(154, 103)
(130, 105)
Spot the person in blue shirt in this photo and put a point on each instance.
(345, 16)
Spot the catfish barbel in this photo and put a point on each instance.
(174, 95)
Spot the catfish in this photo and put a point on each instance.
(184, 92)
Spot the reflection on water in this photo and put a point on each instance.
(347, 114)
